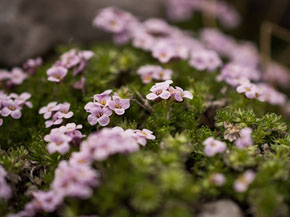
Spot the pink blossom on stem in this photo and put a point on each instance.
(213, 146)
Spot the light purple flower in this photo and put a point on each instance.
(22, 99)
(64, 112)
(213, 146)
(119, 105)
(205, 59)
(99, 115)
(72, 130)
(250, 90)
(56, 73)
(245, 139)
(17, 76)
(103, 99)
(49, 109)
(243, 181)
(47, 201)
(271, 95)
(141, 136)
(54, 121)
(179, 94)
(70, 59)
(218, 179)
(148, 72)
(31, 65)
(114, 20)
(163, 51)
(160, 91)
(58, 141)
(11, 108)
(143, 40)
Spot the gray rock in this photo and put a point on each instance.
(221, 208)
(31, 27)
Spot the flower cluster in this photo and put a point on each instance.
(69, 181)
(112, 141)
(238, 52)
(12, 104)
(271, 95)
(103, 107)
(163, 91)
(57, 112)
(31, 65)
(245, 139)
(5, 190)
(233, 73)
(59, 139)
(277, 74)
(213, 146)
(250, 90)
(75, 177)
(164, 41)
(14, 77)
(261, 91)
(243, 181)
(205, 60)
(150, 72)
(183, 9)
(114, 20)
(71, 59)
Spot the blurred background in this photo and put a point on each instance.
(29, 28)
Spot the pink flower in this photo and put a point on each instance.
(163, 51)
(179, 94)
(148, 72)
(243, 181)
(64, 112)
(22, 99)
(119, 105)
(245, 139)
(143, 40)
(271, 95)
(218, 179)
(99, 115)
(277, 74)
(56, 73)
(58, 141)
(17, 76)
(141, 136)
(31, 65)
(212, 146)
(49, 109)
(11, 108)
(250, 90)
(47, 201)
(72, 130)
(69, 59)
(232, 73)
(114, 20)
(54, 121)
(205, 59)
(103, 99)
(160, 91)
